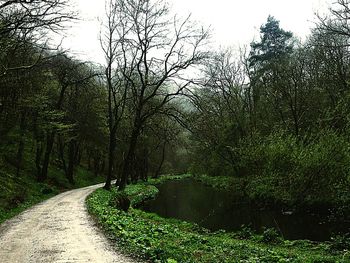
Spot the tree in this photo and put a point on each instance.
(160, 140)
(29, 16)
(274, 44)
(68, 73)
(25, 28)
(155, 51)
(112, 43)
(83, 116)
(337, 23)
(222, 113)
(328, 70)
(23, 21)
(266, 63)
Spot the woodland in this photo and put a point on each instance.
(274, 116)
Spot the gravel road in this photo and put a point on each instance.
(57, 230)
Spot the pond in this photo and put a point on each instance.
(216, 209)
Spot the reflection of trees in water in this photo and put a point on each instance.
(214, 209)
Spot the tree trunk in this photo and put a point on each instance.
(71, 161)
(49, 144)
(78, 153)
(38, 155)
(103, 164)
(97, 163)
(156, 175)
(50, 140)
(39, 148)
(111, 157)
(144, 176)
(20, 150)
(129, 161)
(61, 153)
(89, 157)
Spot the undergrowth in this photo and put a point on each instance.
(18, 193)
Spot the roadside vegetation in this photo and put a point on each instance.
(169, 240)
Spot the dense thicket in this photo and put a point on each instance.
(278, 117)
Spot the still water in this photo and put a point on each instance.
(215, 209)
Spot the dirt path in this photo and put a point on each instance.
(57, 230)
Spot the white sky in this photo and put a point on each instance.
(234, 23)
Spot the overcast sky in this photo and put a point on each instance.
(234, 22)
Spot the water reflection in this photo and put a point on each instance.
(214, 209)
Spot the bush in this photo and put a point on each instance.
(120, 200)
(322, 168)
(271, 236)
(340, 242)
(245, 232)
(292, 171)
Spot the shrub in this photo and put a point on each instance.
(245, 232)
(120, 200)
(340, 242)
(271, 236)
(293, 170)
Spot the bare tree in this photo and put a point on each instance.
(338, 22)
(23, 22)
(227, 80)
(113, 30)
(23, 16)
(167, 133)
(155, 50)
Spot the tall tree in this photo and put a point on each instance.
(68, 73)
(266, 61)
(156, 51)
(112, 40)
(274, 43)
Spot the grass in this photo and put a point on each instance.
(169, 240)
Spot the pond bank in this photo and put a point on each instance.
(170, 240)
(335, 210)
(216, 208)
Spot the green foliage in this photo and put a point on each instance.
(167, 177)
(283, 133)
(170, 240)
(140, 193)
(222, 182)
(271, 236)
(18, 193)
(245, 232)
(285, 169)
(274, 43)
(120, 200)
(340, 242)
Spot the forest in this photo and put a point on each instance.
(270, 122)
